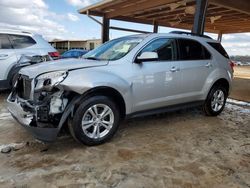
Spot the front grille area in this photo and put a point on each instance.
(24, 87)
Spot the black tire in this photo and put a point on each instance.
(75, 126)
(207, 106)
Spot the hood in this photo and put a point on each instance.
(59, 65)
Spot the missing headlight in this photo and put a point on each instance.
(48, 80)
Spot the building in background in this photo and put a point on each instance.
(64, 45)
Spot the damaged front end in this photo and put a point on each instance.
(39, 104)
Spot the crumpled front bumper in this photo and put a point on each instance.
(26, 118)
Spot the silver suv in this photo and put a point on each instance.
(126, 77)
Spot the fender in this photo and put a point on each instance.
(213, 77)
(81, 81)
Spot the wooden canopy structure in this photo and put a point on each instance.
(216, 16)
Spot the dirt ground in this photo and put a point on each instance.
(241, 83)
(183, 149)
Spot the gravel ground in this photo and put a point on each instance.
(183, 149)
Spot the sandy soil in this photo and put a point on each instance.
(242, 72)
(241, 83)
(183, 149)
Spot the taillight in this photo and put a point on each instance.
(54, 54)
(232, 65)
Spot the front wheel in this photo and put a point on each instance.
(215, 101)
(95, 121)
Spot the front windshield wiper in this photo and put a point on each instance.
(92, 58)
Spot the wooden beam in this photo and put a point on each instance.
(242, 6)
(138, 6)
(113, 5)
(128, 30)
(94, 6)
(135, 20)
(118, 4)
(236, 31)
(93, 13)
(227, 26)
(94, 19)
(177, 17)
(161, 9)
(168, 11)
(232, 21)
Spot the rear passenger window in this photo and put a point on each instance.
(19, 41)
(4, 42)
(165, 48)
(219, 48)
(192, 50)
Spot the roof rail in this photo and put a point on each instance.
(15, 30)
(189, 33)
(26, 32)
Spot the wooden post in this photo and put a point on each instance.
(200, 17)
(219, 36)
(105, 29)
(156, 27)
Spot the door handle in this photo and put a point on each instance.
(3, 56)
(174, 69)
(208, 65)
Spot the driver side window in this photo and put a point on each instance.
(165, 48)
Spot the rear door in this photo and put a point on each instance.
(157, 82)
(195, 66)
(7, 56)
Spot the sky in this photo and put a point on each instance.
(59, 19)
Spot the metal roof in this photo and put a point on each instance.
(223, 16)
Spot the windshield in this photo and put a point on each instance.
(114, 49)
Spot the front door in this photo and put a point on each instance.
(157, 82)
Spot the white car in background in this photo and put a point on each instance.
(15, 44)
(238, 63)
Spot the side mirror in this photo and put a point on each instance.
(147, 56)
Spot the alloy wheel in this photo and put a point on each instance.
(217, 100)
(97, 121)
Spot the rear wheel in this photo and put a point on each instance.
(95, 121)
(215, 101)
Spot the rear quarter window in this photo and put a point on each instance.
(219, 48)
(20, 41)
